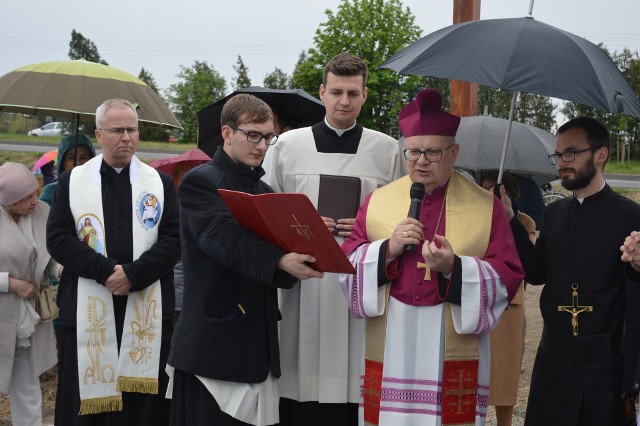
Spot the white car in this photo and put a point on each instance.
(52, 129)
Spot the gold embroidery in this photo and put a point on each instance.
(97, 339)
(143, 328)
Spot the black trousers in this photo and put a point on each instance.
(193, 405)
(294, 413)
(137, 409)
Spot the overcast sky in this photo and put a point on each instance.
(161, 35)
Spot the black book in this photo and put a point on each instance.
(338, 197)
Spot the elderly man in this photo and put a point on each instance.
(431, 288)
(320, 343)
(116, 296)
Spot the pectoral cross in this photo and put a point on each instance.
(575, 309)
(427, 270)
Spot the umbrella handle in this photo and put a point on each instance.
(496, 190)
(506, 138)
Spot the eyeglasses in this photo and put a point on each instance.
(120, 130)
(432, 155)
(567, 156)
(256, 137)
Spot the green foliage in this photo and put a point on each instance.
(623, 128)
(242, 80)
(277, 79)
(18, 124)
(148, 78)
(151, 133)
(201, 86)
(531, 109)
(83, 48)
(374, 30)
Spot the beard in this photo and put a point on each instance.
(581, 179)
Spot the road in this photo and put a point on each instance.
(24, 146)
(614, 180)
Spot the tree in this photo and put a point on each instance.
(83, 48)
(374, 30)
(152, 133)
(624, 129)
(277, 79)
(201, 86)
(535, 110)
(242, 80)
(148, 78)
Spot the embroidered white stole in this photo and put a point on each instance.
(103, 373)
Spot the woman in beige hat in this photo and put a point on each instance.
(27, 345)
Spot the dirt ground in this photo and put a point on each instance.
(532, 338)
(534, 329)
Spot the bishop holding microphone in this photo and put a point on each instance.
(436, 267)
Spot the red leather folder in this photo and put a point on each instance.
(291, 222)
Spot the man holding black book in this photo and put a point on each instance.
(336, 163)
(225, 345)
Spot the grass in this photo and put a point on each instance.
(630, 167)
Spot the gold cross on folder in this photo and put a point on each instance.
(575, 309)
(427, 270)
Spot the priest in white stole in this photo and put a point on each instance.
(429, 310)
(116, 294)
(320, 343)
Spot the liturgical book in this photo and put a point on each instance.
(291, 222)
(338, 197)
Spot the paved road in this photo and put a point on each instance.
(615, 180)
(24, 146)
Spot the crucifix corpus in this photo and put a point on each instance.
(575, 309)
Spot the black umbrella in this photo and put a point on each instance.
(480, 138)
(522, 55)
(301, 108)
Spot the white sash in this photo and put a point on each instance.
(99, 365)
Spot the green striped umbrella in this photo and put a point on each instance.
(75, 89)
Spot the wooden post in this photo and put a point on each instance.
(464, 96)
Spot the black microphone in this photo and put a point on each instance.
(416, 193)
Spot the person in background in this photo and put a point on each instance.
(66, 157)
(48, 177)
(507, 337)
(224, 355)
(586, 360)
(178, 272)
(530, 200)
(429, 307)
(320, 343)
(116, 298)
(27, 346)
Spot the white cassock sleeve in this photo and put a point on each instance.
(364, 296)
(484, 298)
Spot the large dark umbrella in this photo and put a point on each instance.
(302, 109)
(522, 55)
(481, 139)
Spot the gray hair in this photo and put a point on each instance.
(107, 105)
